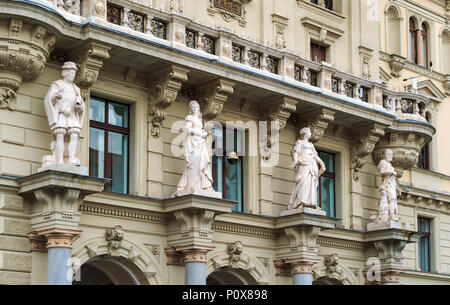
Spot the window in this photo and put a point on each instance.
(424, 157)
(424, 244)
(318, 53)
(412, 41)
(328, 4)
(228, 164)
(424, 46)
(109, 143)
(327, 184)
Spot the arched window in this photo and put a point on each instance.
(445, 50)
(412, 41)
(424, 45)
(393, 31)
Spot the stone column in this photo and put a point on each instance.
(302, 271)
(59, 264)
(195, 260)
(302, 231)
(54, 197)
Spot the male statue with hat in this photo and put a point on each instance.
(65, 111)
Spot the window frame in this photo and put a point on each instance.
(106, 127)
(424, 235)
(224, 156)
(320, 48)
(331, 176)
(413, 42)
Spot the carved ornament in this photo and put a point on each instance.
(114, 236)
(234, 250)
(213, 96)
(281, 110)
(230, 9)
(317, 120)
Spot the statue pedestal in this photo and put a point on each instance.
(203, 193)
(304, 210)
(67, 168)
(390, 224)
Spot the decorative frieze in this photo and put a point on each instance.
(254, 59)
(272, 65)
(213, 95)
(280, 24)
(208, 44)
(25, 50)
(136, 21)
(123, 214)
(190, 39)
(237, 53)
(158, 29)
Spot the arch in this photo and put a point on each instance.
(219, 259)
(336, 273)
(107, 270)
(229, 276)
(126, 254)
(445, 50)
(393, 29)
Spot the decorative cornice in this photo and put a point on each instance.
(123, 214)
(244, 231)
(343, 244)
(213, 95)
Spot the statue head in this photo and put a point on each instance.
(194, 107)
(388, 155)
(306, 131)
(69, 70)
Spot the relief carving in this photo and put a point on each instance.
(114, 236)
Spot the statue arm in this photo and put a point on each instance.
(48, 104)
(192, 131)
(295, 152)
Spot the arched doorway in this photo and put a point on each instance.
(229, 276)
(107, 270)
(326, 281)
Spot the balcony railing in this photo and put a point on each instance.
(180, 32)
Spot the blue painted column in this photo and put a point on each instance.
(302, 271)
(195, 272)
(59, 262)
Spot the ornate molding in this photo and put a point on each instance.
(234, 250)
(244, 231)
(317, 120)
(114, 236)
(330, 267)
(280, 24)
(230, 9)
(280, 111)
(59, 238)
(25, 48)
(38, 243)
(365, 140)
(213, 95)
(164, 89)
(174, 258)
(397, 63)
(123, 214)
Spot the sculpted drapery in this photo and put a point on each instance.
(307, 172)
(197, 172)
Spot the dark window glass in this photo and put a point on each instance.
(327, 185)
(318, 53)
(424, 244)
(228, 172)
(109, 143)
(412, 41)
(424, 157)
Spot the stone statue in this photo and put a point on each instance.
(387, 207)
(65, 111)
(307, 172)
(197, 177)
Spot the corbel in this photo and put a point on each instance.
(281, 110)
(213, 96)
(317, 120)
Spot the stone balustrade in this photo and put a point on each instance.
(173, 29)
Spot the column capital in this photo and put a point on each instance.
(59, 238)
(390, 276)
(38, 243)
(302, 266)
(196, 253)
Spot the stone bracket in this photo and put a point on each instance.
(365, 140)
(317, 120)
(164, 89)
(281, 110)
(213, 96)
(25, 51)
(89, 59)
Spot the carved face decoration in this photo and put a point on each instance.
(305, 133)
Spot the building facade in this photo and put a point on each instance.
(364, 75)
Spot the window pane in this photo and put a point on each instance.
(118, 115)
(327, 196)
(96, 152)
(328, 159)
(233, 183)
(217, 144)
(118, 152)
(217, 173)
(423, 254)
(96, 110)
